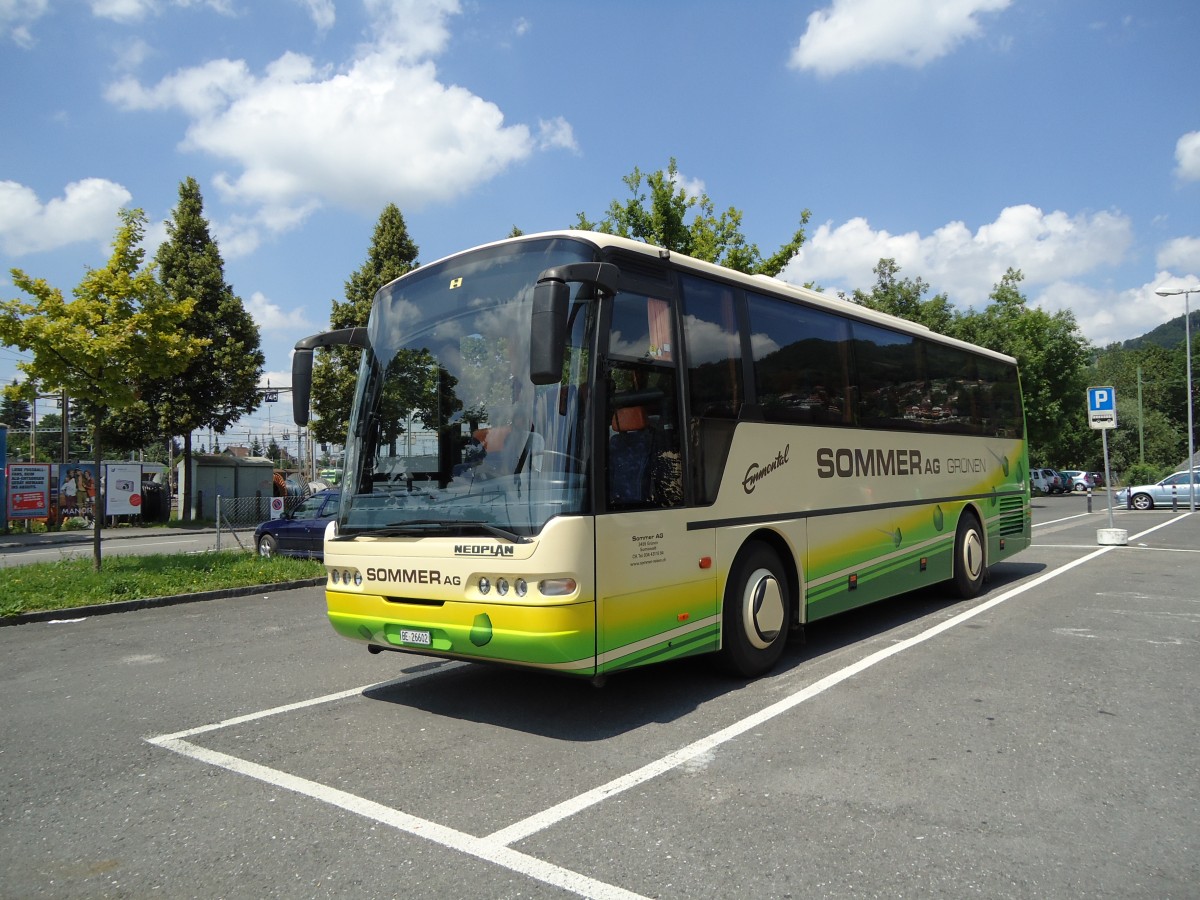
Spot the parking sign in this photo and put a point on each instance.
(1102, 407)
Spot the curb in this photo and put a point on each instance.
(103, 609)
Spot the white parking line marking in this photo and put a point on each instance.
(1064, 519)
(495, 847)
(481, 848)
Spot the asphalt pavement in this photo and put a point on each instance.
(1037, 742)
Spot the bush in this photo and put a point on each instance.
(1144, 473)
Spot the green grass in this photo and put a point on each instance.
(71, 583)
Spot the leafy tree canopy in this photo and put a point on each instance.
(121, 331)
(902, 297)
(661, 211)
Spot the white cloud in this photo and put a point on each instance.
(1181, 253)
(87, 211)
(1114, 316)
(1046, 247)
(322, 13)
(200, 92)
(124, 11)
(556, 134)
(128, 12)
(691, 187)
(410, 30)
(17, 18)
(853, 34)
(1187, 155)
(272, 318)
(298, 136)
(1053, 250)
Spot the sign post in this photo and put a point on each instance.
(1102, 417)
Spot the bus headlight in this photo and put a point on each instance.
(345, 576)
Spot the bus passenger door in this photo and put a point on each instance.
(655, 585)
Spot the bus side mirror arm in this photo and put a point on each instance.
(302, 364)
(548, 324)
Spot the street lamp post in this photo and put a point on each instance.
(1187, 332)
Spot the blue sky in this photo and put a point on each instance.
(960, 137)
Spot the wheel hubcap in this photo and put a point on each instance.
(763, 609)
(972, 555)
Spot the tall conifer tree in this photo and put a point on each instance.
(392, 254)
(221, 385)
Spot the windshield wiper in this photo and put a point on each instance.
(434, 526)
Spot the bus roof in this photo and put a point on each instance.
(760, 282)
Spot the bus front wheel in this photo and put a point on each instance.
(969, 567)
(754, 617)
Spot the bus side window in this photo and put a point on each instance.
(714, 359)
(644, 459)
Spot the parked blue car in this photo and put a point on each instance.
(300, 532)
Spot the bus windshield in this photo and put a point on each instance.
(447, 434)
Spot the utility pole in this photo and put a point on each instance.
(65, 456)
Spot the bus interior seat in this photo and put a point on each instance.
(629, 452)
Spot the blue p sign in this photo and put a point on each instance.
(1102, 407)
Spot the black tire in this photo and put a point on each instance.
(268, 546)
(1142, 501)
(756, 612)
(970, 556)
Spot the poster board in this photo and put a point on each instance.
(28, 491)
(123, 489)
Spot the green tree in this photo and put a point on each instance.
(1163, 440)
(17, 413)
(1152, 397)
(1053, 357)
(903, 297)
(392, 254)
(49, 438)
(661, 211)
(121, 331)
(220, 386)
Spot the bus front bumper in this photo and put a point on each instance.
(560, 637)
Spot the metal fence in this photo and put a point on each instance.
(244, 514)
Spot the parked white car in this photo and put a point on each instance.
(1047, 481)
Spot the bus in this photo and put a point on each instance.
(628, 456)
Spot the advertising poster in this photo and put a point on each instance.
(123, 489)
(28, 491)
(76, 489)
(3, 476)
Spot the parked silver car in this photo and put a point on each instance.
(1078, 480)
(1174, 488)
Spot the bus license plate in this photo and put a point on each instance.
(422, 638)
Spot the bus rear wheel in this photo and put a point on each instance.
(969, 557)
(755, 612)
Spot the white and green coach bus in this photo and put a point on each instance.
(627, 455)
